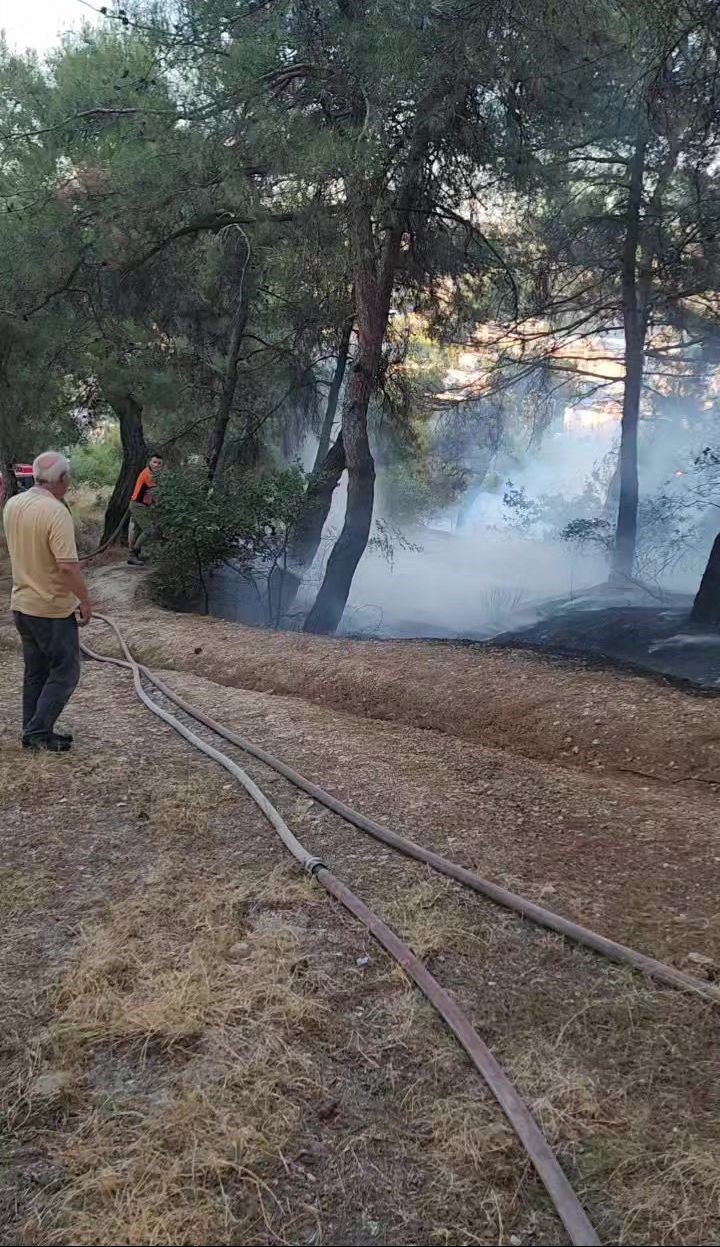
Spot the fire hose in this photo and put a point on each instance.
(561, 1193)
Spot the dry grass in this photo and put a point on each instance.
(427, 922)
(195, 1049)
(682, 1195)
(178, 1056)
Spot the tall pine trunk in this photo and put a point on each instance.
(635, 323)
(219, 427)
(134, 457)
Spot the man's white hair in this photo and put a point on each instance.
(50, 467)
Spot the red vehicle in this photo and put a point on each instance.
(23, 475)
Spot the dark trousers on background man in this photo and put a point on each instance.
(51, 651)
(143, 520)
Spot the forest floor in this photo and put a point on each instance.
(198, 1046)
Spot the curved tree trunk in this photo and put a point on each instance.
(129, 413)
(350, 545)
(316, 505)
(374, 280)
(373, 288)
(334, 395)
(327, 470)
(706, 607)
(375, 262)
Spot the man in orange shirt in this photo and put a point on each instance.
(141, 504)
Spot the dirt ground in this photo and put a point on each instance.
(198, 1046)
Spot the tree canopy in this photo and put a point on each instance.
(218, 220)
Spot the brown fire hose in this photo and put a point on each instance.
(564, 1199)
(86, 558)
(522, 905)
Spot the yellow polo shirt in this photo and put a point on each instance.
(40, 534)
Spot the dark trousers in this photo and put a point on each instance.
(51, 651)
(142, 517)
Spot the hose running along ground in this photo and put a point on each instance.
(561, 1193)
(620, 953)
(87, 558)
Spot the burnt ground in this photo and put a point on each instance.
(198, 1046)
(657, 639)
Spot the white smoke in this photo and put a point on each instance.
(489, 577)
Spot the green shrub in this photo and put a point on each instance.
(97, 463)
(414, 491)
(248, 519)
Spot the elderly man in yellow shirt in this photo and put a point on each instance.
(49, 599)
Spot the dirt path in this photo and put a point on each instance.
(198, 1047)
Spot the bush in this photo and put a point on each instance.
(413, 491)
(245, 519)
(589, 532)
(98, 463)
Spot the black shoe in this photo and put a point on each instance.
(54, 743)
(136, 560)
(68, 736)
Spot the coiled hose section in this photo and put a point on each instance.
(562, 1195)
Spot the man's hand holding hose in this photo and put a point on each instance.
(75, 583)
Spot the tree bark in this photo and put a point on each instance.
(706, 607)
(626, 529)
(334, 395)
(219, 427)
(642, 244)
(374, 271)
(330, 603)
(9, 480)
(635, 322)
(134, 457)
(373, 290)
(316, 505)
(8, 447)
(612, 496)
(327, 470)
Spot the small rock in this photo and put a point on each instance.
(48, 1086)
(699, 959)
(327, 1110)
(515, 1241)
(362, 961)
(238, 951)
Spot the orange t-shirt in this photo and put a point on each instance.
(144, 483)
